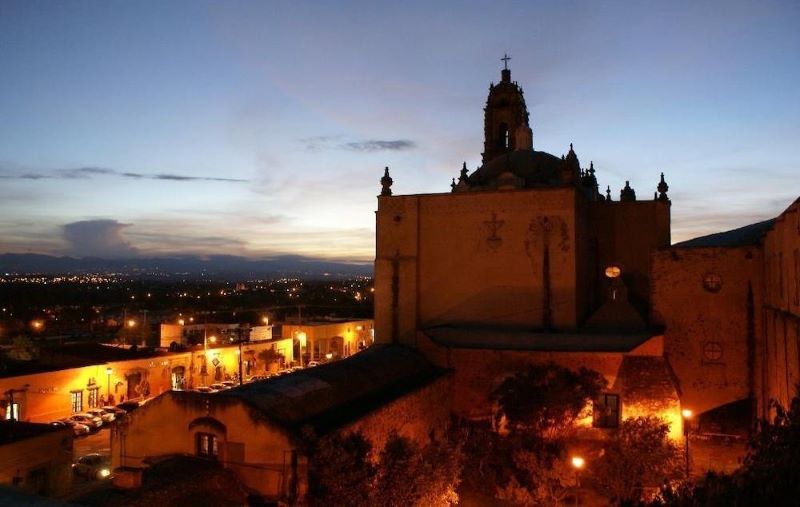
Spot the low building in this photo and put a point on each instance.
(337, 337)
(194, 334)
(257, 429)
(90, 375)
(36, 458)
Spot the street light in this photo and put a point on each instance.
(108, 386)
(131, 323)
(578, 464)
(301, 338)
(265, 320)
(687, 414)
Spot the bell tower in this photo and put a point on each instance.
(504, 113)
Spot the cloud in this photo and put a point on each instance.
(98, 238)
(322, 143)
(377, 145)
(89, 172)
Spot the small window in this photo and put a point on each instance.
(712, 352)
(76, 398)
(12, 411)
(207, 445)
(606, 411)
(92, 398)
(712, 282)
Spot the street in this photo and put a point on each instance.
(99, 442)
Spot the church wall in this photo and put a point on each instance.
(626, 233)
(779, 364)
(472, 273)
(396, 269)
(700, 296)
(475, 258)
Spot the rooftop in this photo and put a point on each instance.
(15, 431)
(743, 236)
(330, 395)
(61, 357)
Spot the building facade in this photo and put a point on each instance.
(58, 392)
(526, 261)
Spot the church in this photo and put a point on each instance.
(523, 261)
(527, 260)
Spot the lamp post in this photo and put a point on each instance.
(301, 339)
(578, 464)
(687, 414)
(108, 385)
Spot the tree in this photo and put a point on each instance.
(638, 454)
(269, 356)
(340, 471)
(399, 473)
(410, 475)
(542, 475)
(23, 349)
(547, 399)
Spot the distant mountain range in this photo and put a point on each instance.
(218, 266)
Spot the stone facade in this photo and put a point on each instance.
(730, 305)
(778, 359)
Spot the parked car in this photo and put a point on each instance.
(93, 466)
(118, 412)
(219, 386)
(205, 389)
(229, 383)
(106, 417)
(78, 429)
(89, 420)
(313, 363)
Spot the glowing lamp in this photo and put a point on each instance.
(131, 323)
(613, 272)
(329, 356)
(686, 413)
(181, 322)
(108, 371)
(212, 339)
(578, 462)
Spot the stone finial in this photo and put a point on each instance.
(453, 185)
(464, 173)
(627, 194)
(386, 183)
(591, 168)
(608, 193)
(662, 189)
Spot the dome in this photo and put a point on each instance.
(534, 168)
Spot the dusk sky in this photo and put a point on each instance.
(262, 128)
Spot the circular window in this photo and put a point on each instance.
(712, 282)
(613, 271)
(712, 351)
